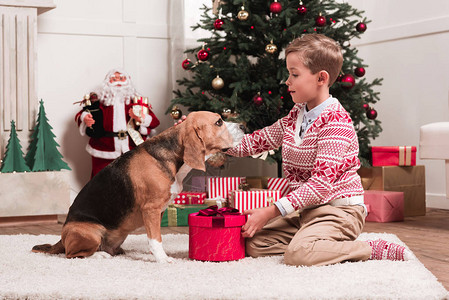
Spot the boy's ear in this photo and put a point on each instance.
(323, 77)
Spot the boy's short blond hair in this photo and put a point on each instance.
(318, 52)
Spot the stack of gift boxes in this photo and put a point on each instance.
(394, 188)
(184, 204)
(394, 185)
(215, 232)
(242, 193)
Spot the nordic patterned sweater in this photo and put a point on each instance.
(322, 166)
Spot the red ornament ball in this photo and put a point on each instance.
(203, 55)
(218, 23)
(348, 81)
(320, 21)
(365, 106)
(275, 7)
(258, 100)
(302, 10)
(361, 27)
(371, 114)
(186, 64)
(359, 71)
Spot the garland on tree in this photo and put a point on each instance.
(240, 70)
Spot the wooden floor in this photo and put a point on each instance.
(427, 236)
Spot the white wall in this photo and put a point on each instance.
(407, 44)
(80, 40)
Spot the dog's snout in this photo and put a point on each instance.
(237, 132)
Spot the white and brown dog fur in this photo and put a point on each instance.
(135, 189)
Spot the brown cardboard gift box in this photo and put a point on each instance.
(409, 180)
(257, 182)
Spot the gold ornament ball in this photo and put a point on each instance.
(217, 83)
(217, 160)
(271, 48)
(226, 113)
(243, 15)
(176, 113)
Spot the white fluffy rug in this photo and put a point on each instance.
(27, 275)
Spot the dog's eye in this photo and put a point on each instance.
(219, 122)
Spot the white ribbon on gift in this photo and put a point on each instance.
(405, 155)
(263, 155)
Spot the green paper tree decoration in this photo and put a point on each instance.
(43, 154)
(245, 49)
(13, 160)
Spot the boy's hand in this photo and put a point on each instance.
(258, 218)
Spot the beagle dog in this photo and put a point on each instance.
(135, 189)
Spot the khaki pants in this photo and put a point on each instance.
(320, 236)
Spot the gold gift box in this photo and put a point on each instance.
(409, 180)
(177, 215)
(220, 203)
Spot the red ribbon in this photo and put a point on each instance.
(213, 210)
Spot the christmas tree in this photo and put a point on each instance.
(240, 72)
(13, 160)
(43, 154)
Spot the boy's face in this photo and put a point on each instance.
(302, 84)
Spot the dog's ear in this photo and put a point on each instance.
(194, 147)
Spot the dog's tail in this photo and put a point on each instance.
(49, 249)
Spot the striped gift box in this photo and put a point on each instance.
(190, 198)
(255, 198)
(220, 186)
(279, 184)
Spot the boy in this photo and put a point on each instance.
(320, 160)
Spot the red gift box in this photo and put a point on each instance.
(190, 198)
(393, 156)
(254, 198)
(279, 184)
(384, 206)
(219, 187)
(217, 238)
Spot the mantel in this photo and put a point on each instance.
(41, 5)
(18, 60)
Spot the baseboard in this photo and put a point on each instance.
(437, 201)
(28, 220)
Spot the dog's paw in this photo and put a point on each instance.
(100, 255)
(165, 260)
(158, 252)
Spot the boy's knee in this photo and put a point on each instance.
(252, 249)
(298, 255)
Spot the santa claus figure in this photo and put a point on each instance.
(116, 119)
